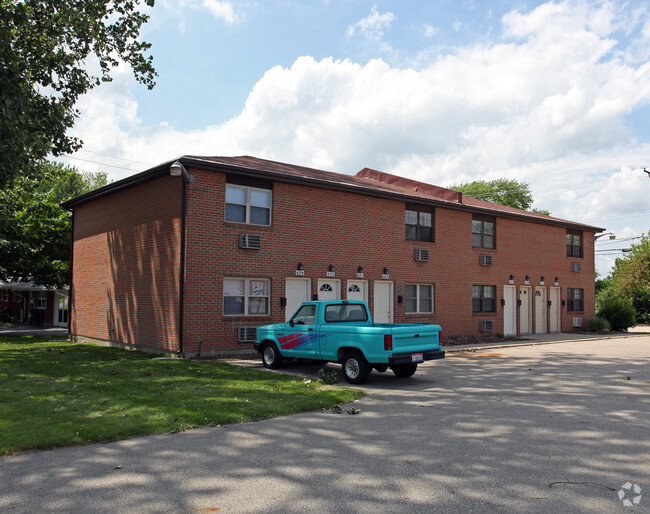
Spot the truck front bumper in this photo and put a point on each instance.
(407, 358)
(257, 347)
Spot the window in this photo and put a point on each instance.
(573, 243)
(5, 295)
(305, 315)
(41, 300)
(18, 297)
(483, 232)
(418, 299)
(346, 312)
(574, 299)
(248, 205)
(484, 298)
(62, 307)
(419, 223)
(246, 296)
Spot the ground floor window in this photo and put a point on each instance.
(418, 299)
(484, 298)
(41, 300)
(574, 299)
(246, 296)
(5, 295)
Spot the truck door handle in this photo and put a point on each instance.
(310, 329)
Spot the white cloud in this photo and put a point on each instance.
(547, 105)
(372, 26)
(223, 10)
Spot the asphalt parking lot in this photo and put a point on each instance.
(545, 428)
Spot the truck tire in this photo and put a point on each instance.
(271, 357)
(405, 370)
(355, 367)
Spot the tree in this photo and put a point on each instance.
(44, 51)
(631, 277)
(34, 229)
(502, 191)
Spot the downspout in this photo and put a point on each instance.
(71, 269)
(181, 285)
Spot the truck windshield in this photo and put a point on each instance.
(345, 312)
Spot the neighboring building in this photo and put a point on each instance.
(24, 302)
(166, 264)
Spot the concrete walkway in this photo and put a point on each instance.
(31, 330)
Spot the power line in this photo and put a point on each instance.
(100, 163)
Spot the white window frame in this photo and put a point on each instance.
(5, 295)
(248, 190)
(41, 300)
(418, 297)
(247, 295)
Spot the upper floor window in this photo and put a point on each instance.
(573, 243)
(248, 205)
(574, 299)
(483, 231)
(245, 296)
(419, 223)
(418, 299)
(484, 298)
(5, 295)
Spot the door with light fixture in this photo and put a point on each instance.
(329, 289)
(525, 310)
(509, 310)
(554, 310)
(357, 290)
(383, 302)
(541, 312)
(297, 290)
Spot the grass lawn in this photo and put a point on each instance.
(57, 393)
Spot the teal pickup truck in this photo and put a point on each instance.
(342, 331)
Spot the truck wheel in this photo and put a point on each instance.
(355, 368)
(271, 357)
(405, 370)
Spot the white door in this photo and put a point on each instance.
(297, 290)
(383, 300)
(510, 310)
(525, 310)
(540, 310)
(329, 289)
(61, 309)
(357, 290)
(554, 309)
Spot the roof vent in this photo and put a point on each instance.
(246, 334)
(576, 266)
(250, 241)
(485, 260)
(421, 255)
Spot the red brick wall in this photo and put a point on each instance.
(125, 281)
(320, 227)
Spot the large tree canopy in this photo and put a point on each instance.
(34, 229)
(502, 191)
(631, 277)
(44, 47)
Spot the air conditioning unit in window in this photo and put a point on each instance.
(421, 255)
(577, 322)
(246, 334)
(576, 266)
(250, 241)
(485, 260)
(486, 325)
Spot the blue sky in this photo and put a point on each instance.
(555, 94)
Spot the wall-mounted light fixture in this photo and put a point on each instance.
(385, 275)
(557, 281)
(527, 280)
(511, 280)
(541, 280)
(360, 272)
(178, 170)
(300, 270)
(385, 272)
(300, 266)
(331, 268)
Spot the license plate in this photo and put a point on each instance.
(417, 357)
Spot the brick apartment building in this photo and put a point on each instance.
(193, 263)
(25, 302)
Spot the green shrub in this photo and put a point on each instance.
(598, 325)
(327, 377)
(617, 310)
